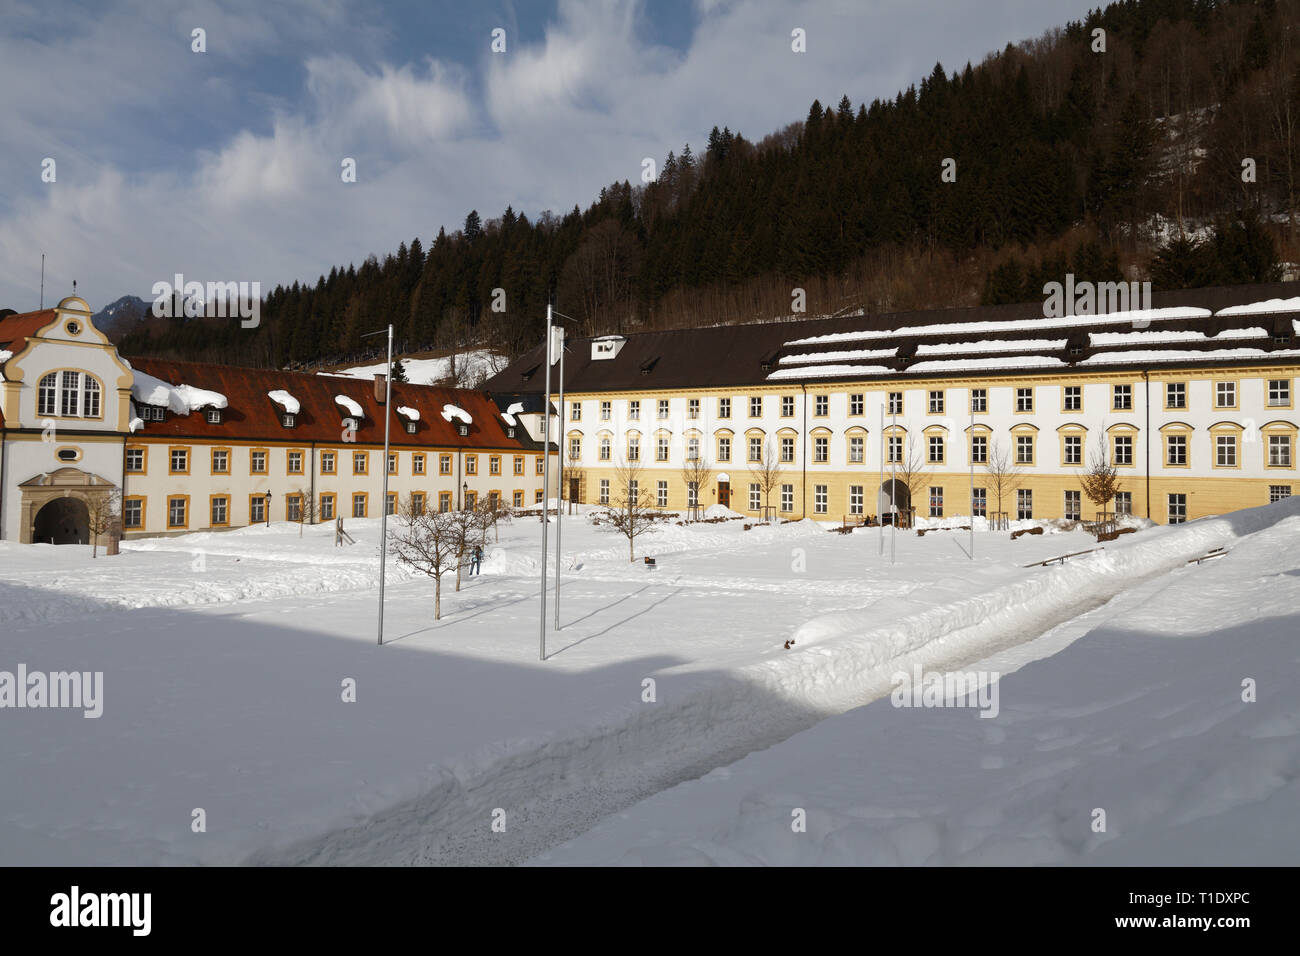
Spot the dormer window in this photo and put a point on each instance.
(288, 419)
(1281, 339)
(410, 428)
(462, 429)
(152, 413)
(1076, 350)
(213, 416)
(510, 431)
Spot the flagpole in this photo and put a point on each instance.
(880, 518)
(970, 451)
(546, 477)
(893, 486)
(559, 485)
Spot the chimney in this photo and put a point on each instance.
(381, 387)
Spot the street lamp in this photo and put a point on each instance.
(268, 508)
(464, 497)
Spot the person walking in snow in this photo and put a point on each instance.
(476, 559)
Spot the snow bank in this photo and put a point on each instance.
(284, 400)
(180, 399)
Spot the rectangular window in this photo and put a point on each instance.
(1123, 397)
(857, 451)
(1279, 451)
(979, 503)
(575, 412)
(756, 406)
(358, 505)
(855, 499)
(537, 496)
(936, 403)
(936, 449)
(1177, 509)
(895, 448)
(518, 465)
(606, 411)
(1073, 505)
(820, 499)
(417, 502)
(294, 462)
(293, 508)
(392, 463)
(494, 464)
(220, 509)
(787, 498)
(692, 494)
(540, 464)
(220, 461)
(1123, 449)
(1225, 451)
(692, 408)
(604, 491)
(444, 464)
(1024, 399)
(661, 494)
(327, 507)
(1123, 502)
(1074, 449)
(179, 461)
(661, 449)
(663, 408)
(821, 406)
(633, 448)
(519, 499)
(135, 459)
(857, 403)
(692, 449)
(604, 449)
(1176, 395)
(133, 513)
(257, 462)
(1225, 394)
(787, 449)
(895, 403)
(1073, 398)
(360, 462)
(175, 512)
(633, 490)
(1278, 492)
(327, 460)
(821, 450)
(634, 410)
(1024, 504)
(936, 501)
(756, 449)
(471, 464)
(417, 464)
(1279, 391)
(724, 449)
(1176, 450)
(755, 497)
(979, 449)
(787, 406)
(257, 508)
(979, 399)
(444, 501)
(390, 504)
(724, 408)
(1024, 449)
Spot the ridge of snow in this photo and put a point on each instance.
(179, 399)
(284, 400)
(455, 412)
(409, 412)
(1265, 306)
(350, 406)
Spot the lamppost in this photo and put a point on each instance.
(464, 498)
(268, 507)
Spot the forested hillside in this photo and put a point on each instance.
(1135, 161)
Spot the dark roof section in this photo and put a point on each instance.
(735, 355)
(251, 415)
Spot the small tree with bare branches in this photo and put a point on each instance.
(307, 509)
(1101, 481)
(428, 542)
(1004, 473)
(767, 473)
(103, 511)
(628, 512)
(697, 473)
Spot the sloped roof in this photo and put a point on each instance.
(252, 415)
(969, 340)
(16, 328)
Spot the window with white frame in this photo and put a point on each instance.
(895, 404)
(663, 408)
(575, 449)
(787, 406)
(820, 499)
(1073, 398)
(787, 498)
(1225, 394)
(755, 496)
(724, 449)
(1177, 509)
(979, 399)
(1123, 449)
(1024, 449)
(1175, 395)
(1176, 450)
(821, 406)
(724, 408)
(603, 497)
(692, 408)
(855, 499)
(692, 494)
(575, 412)
(1073, 505)
(1122, 396)
(936, 449)
(787, 449)
(1225, 451)
(979, 449)
(661, 494)
(857, 450)
(606, 411)
(979, 502)
(692, 449)
(1123, 502)
(633, 490)
(1074, 449)
(1279, 392)
(755, 449)
(176, 512)
(633, 448)
(1279, 451)
(78, 395)
(135, 459)
(661, 448)
(1024, 504)
(604, 448)
(857, 403)
(936, 501)
(634, 410)
(1278, 492)
(936, 402)
(1024, 399)
(895, 448)
(756, 406)
(821, 450)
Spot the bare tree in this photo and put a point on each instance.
(767, 472)
(103, 510)
(306, 509)
(628, 512)
(428, 542)
(913, 470)
(464, 527)
(1004, 473)
(1101, 481)
(569, 475)
(697, 473)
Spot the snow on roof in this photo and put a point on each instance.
(450, 412)
(1174, 355)
(284, 400)
(135, 425)
(996, 362)
(350, 406)
(1258, 308)
(179, 399)
(516, 408)
(991, 345)
(844, 356)
(409, 412)
(1135, 317)
(827, 371)
(4, 357)
(1167, 335)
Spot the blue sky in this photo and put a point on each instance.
(225, 165)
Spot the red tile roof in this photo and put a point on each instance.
(16, 328)
(252, 416)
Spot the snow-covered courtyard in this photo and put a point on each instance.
(669, 723)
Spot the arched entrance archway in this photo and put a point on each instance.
(62, 521)
(893, 492)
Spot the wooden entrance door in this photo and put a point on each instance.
(574, 488)
(724, 494)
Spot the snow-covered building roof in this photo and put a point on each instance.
(408, 412)
(456, 413)
(178, 399)
(284, 400)
(350, 406)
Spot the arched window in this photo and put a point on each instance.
(69, 394)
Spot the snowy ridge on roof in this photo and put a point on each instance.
(1174, 355)
(516, 408)
(991, 345)
(179, 399)
(456, 413)
(1135, 317)
(284, 400)
(411, 413)
(1167, 335)
(350, 406)
(1259, 308)
(827, 371)
(844, 356)
(995, 362)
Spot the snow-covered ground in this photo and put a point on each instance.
(225, 658)
(477, 366)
